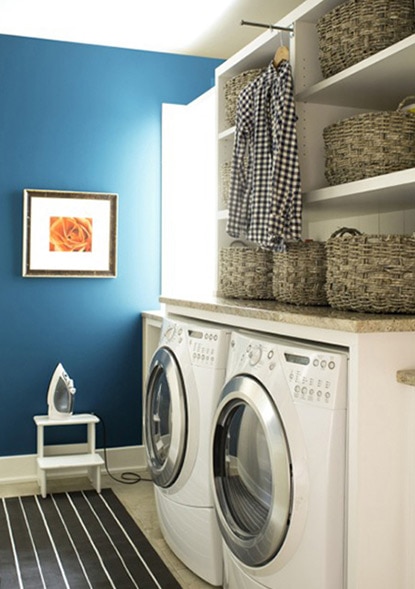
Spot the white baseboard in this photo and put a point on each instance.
(23, 468)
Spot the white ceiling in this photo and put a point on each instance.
(211, 28)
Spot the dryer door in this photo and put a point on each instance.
(165, 421)
(252, 474)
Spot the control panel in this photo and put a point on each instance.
(317, 377)
(207, 347)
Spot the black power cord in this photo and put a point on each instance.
(127, 478)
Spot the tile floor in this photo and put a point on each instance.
(138, 500)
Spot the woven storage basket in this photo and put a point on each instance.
(225, 177)
(245, 273)
(370, 144)
(359, 28)
(299, 275)
(371, 273)
(232, 90)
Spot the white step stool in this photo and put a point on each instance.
(90, 460)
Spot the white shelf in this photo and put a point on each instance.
(70, 461)
(256, 54)
(389, 192)
(378, 82)
(227, 133)
(76, 419)
(380, 194)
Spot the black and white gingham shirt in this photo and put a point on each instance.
(265, 191)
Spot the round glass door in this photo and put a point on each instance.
(252, 474)
(165, 422)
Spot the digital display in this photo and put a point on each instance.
(196, 334)
(296, 359)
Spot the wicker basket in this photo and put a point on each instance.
(225, 177)
(360, 28)
(299, 275)
(245, 273)
(370, 144)
(371, 273)
(232, 90)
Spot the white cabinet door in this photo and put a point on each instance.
(189, 198)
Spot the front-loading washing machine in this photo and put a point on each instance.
(185, 377)
(278, 464)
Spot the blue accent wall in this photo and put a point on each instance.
(82, 118)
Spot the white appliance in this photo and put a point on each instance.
(186, 375)
(278, 464)
(61, 393)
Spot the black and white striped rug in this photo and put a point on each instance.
(81, 540)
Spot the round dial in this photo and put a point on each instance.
(170, 331)
(255, 355)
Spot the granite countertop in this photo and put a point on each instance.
(323, 317)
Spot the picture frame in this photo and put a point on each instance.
(69, 234)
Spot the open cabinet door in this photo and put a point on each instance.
(189, 198)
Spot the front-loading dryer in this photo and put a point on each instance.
(278, 464)
(185, 377)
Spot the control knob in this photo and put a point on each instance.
(170, 331)
(255, 355)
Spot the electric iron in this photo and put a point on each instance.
(60, 394)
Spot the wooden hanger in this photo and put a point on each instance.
(281, 54)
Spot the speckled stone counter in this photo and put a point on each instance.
(152, 314)
(321, 317)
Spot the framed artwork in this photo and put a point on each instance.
(69, 234)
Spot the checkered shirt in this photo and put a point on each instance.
(265, 191)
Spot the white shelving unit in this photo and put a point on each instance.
(89, 460)
(382, 204)
(380, 510)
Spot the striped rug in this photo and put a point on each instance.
(81, 540)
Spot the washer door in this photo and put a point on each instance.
(252, 472)
(165, 424)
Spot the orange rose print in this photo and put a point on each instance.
(70, 234)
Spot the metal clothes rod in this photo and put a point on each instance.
(258, 24)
